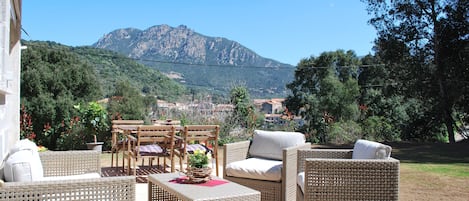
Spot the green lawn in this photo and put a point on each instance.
(458, 170)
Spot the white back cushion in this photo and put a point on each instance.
(364, 149)
(24, 144)
(269, 144)
(23, 163)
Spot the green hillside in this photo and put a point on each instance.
(111, 67)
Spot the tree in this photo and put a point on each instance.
(53, 80)
(325, 90)
(244, 118)
(424, 43)
(126, 102)
(244, 109)
(385, 113)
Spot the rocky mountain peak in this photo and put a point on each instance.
(181, 44)
(184, 51)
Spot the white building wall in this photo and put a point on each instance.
(10, 55)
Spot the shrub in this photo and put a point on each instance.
(379, 128)
(344, 132)
(91, 121)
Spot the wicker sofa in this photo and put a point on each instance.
(283, 189)
(66, 163)
(332, 174)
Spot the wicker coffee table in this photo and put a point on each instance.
(163, 187)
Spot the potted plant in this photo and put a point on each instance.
(198, 170)
(94, 118)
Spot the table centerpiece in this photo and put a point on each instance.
(198, 170)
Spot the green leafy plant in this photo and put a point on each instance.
(199, 159)
(94, 118)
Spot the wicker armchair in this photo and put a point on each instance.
(66, 163)
(284, 190)
(331, 174)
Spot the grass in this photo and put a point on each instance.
(443, 159)
(433, 171)
(458, 170)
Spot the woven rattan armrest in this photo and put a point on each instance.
(321, 153)
(235, 152)
(290, 170)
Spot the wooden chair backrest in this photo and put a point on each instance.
(161, 135)
(117, 129)
(201, 133)
(117, 123)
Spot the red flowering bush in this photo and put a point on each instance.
(26, 125)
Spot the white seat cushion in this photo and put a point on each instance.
(256, 168)
(364, 149)
(269, 144)
(300, 179)
(70, 177)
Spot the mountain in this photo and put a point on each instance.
(200, 62)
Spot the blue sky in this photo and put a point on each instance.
(286, 31)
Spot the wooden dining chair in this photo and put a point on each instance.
(150, 142)
(118, 138)
(199, 137)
